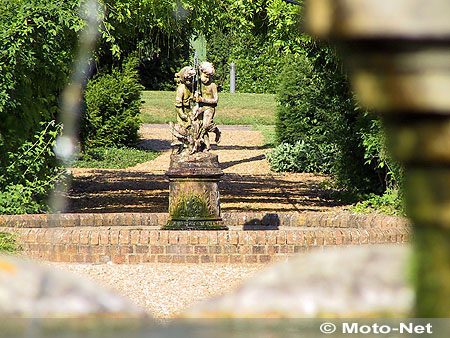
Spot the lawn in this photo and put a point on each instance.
(237, 109)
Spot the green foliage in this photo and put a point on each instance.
(112, 116)
(114, 158)
(316, 107)
(8, 243)
(390, 203)
(268, 132)
(301, 157)
(31, 173)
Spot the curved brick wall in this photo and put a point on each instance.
(135, 238)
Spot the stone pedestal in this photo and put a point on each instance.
(194, 192)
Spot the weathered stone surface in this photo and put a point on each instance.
(194, 192)
(346, 282)
(34, 291)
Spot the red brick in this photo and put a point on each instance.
(114, 237)
(183, 237)
(98, 250)
(134, 236)
(192, 259)
(206, 259)
(104, 237)
(273, 249)
(261, 237)
(95, 240)
(148, 258)
(265, 259)
(77, 258)
(222, 259)
(179, 249)
(355, 236)
(251, 259)
(154, 237)
(48, 236)
(66, 237)
(271, 237)
(179, 259)
(125, 249)
(194, 237)
(142, 249)
(134, 259)
(309, 238)
(118, 259)
(319, 237)
(364, 236)
(91, 259)
(222, 237)
(243, 238)
(213, 237)
(64, 257)
(230, 249)
(300, 248)
(244, 249)
(156, 249)
(163, 237)
(338, 237)
(173, 237)
(328, 237)
(251, 237)
(215, 249)
(164, 258)
(145, 238)
(200, 249)
(202, 237)
(281, 237)
(72, 249)
(236, 259)
(84, 249)
(124, 237)
(234, 237)
(258, 249)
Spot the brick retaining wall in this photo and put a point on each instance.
(236, 220)
(159, 246)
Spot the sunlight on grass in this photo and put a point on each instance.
(238, 108)
(114, 158)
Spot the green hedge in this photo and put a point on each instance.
(112, 116)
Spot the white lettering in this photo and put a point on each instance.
(408, 328)
(365, 329)
(419, 329)
(385, 329)
(346, 328)
(428, 326)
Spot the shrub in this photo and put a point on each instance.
(301, 157)
(32, 172)
(112, 116)
(8, 243)
(316, 105)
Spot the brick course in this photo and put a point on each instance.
(147, 245)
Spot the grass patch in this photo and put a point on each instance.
(114, 158)
(233, 109)
(268, 132)
(8, 243)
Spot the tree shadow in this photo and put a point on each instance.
(269, 221)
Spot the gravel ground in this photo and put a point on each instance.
(164, 290)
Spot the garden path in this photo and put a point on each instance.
(248, 183)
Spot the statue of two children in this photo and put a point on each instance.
(195, 103)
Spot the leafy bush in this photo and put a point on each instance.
(26, 182)
(8, 243)
(316, 104)
(114, 158)
(112, 116)
(390, 203)
(301, 157)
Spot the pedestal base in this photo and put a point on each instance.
(194, 192)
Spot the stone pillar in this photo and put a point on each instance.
(398, 57)
(194, 202)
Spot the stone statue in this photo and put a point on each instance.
(195, 103)
(194, 171)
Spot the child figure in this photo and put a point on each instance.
(207, 99)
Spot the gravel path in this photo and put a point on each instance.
(163, 290)
(248, 183)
